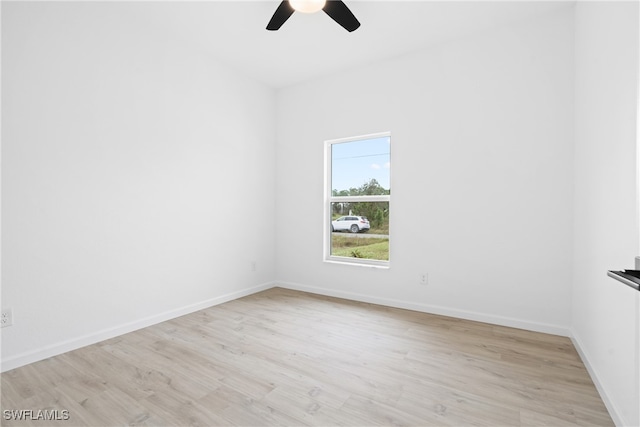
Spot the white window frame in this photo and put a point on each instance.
(329, 199)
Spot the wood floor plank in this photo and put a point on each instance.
(289, 358)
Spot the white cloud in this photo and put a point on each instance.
(387, 165)
(375, 166)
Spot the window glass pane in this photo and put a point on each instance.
(360, 168)
(360, 230)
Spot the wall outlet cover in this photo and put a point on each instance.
(7, 317)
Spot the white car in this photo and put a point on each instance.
(354, 224)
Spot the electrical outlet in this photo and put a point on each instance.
(424, 279)
(7, 317)
(254, 266)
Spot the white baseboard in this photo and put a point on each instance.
(611, 407)
(433, 309)
(72, 344)
(75, 343)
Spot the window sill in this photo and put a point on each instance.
(364, 263)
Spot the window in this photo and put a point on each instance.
(357, 199)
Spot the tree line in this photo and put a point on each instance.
(376, 212)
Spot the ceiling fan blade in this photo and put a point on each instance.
(339, 12)
(280, 16)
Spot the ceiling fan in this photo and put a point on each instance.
(336, 9)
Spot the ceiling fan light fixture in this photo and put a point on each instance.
(307, 6)
(336, 9)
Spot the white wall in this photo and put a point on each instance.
(482, 156)
(606, 313)
(137, 177)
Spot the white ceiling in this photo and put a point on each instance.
(309, 46)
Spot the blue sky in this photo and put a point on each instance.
(356, 162)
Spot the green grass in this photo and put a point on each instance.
(384, 229)
(368, 248)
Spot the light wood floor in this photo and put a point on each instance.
(289, 358)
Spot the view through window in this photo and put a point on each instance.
(358, 199)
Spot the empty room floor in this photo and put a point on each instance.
(283, 357)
